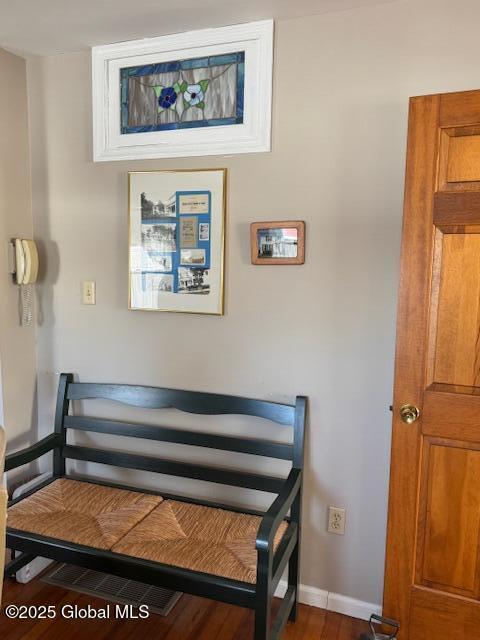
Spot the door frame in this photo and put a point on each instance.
(411, 353)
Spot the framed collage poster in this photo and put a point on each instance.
(176, 244)
(204, 92)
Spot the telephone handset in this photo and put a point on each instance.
(24, 264)
(26, 261)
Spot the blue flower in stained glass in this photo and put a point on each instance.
(193, 94)
(167, 97)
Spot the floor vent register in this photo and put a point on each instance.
(112, 588)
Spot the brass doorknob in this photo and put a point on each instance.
(409, 413)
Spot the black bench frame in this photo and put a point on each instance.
(270, 565)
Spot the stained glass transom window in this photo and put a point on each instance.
(198, 92)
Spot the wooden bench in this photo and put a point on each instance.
(144, 525)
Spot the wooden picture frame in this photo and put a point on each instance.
(276, 245)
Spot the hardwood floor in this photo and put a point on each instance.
(191, 619)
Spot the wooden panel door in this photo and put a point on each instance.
(432, 575)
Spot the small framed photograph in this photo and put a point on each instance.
(177, 240)
(278, 242)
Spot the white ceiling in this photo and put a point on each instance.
(48, 27)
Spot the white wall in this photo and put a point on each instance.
(342, 83)
(17, 344)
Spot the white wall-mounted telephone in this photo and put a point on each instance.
(25, 268)
(26, 261)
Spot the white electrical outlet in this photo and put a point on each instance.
(336, 520)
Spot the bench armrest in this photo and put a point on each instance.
(278, 510)
(28, 454)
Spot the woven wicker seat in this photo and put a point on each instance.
(81, 512)
(199, 538)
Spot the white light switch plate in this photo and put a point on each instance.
(88, 292)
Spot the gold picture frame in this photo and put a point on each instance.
(176, 236)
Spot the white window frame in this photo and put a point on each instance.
(253, 135)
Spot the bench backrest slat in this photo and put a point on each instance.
(173, 468)
(258, 447)
(190, 401)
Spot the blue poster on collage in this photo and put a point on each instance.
(176, 256)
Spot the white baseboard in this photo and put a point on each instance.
(332, 601)
(351, 606)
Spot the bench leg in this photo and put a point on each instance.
(18, 563)
(264, 596)
(294, 562)
(262, 621)
(264, 629)
(293, 580)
